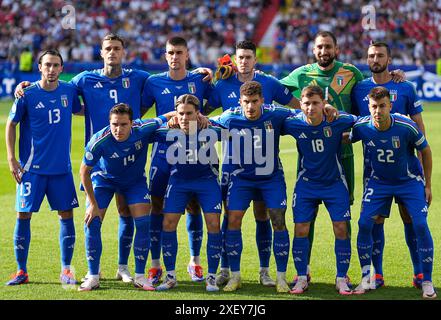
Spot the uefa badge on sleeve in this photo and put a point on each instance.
(64, 101)
(191, 87)
(327, 131)
(125, 83)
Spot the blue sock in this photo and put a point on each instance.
(156, 235)
(411, 240)
(234, 246)
(300, 252)
(214, 247)
(141, 244)
(67, 241)
(364, 245)
(343, 256)
(94, 246)
(195, 225)
(125, 236)
(22, 239)
(281, 249)
(264, 234)
(224, 257)
(378, 247)
(169, 249)
(425, 246)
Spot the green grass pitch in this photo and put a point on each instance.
(44, 260)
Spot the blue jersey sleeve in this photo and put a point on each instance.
(414, 105)
(18, 110)
(76, 104)
(355, 99)
(282, 94)
(92, 153)
(148, 127)
(417, 138)
(78, 81)
(148, 98)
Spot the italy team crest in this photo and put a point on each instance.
(192, 87)
(268, 125)
(339, 80)
(125, 83)
(393, 95)
(327, 131)
(64, 101)
(396, 142)
(138, 145)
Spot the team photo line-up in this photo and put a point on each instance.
(331, 106)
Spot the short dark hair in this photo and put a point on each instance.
(379, 44)
(113, 36)
(311, 90)
(326, 34)
(247, 45)
(177, 41)
(378, 93)
(188, 99)
(251, 88)
(51, 52)
(121, 108)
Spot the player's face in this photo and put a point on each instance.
(120, 125)
(50, 68)
(251, 106)
(176, 56)
(112, 52)
(246, 61)
(378, 59)
(325, 51)
(313, 107)
(380, 109)
(187, 116)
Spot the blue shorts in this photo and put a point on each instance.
(207, 191)
(377, 197)
(59, 189)
(227, 169)
(309, 194)
(159, 171)
(134, 193)
(242, 191)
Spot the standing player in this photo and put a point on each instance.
(389, 142)
(44, 167)
(405, 101)
(320, 178)
(162, 90)
(194, 174)
(259, 170)
(226, 95)
(119, 154)
(100, 90)
(337, 80)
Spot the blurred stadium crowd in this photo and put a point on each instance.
(412, 28)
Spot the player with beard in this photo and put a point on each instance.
(404, 100)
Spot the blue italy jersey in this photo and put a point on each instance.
(45, 119)
(319, 147)
(100, 93)
(191, 156)
(403, 97)
(391, 153)
(164, 91)
(255, 144)
(121, 162)
(227, 92)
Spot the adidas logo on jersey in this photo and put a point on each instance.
(147, 197)
(347, 214)
(427, 260)
(232, 95)
(114, 156)
(283, 203)
(40, 105)
(98, 85)
(166, 91)
(218, 207)
(366, 98)
(303, 136)
(74, 202)
(371, 144)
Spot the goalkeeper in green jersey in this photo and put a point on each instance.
(337, 80)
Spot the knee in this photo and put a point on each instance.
(301, 230)
(341, 230)
(234, 222)
(169, 224)
(213, 224)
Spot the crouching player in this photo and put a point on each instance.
(320, 178)
(120, 152)
(194, 173)
(389, 141)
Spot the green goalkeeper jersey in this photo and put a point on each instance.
(337, 82)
